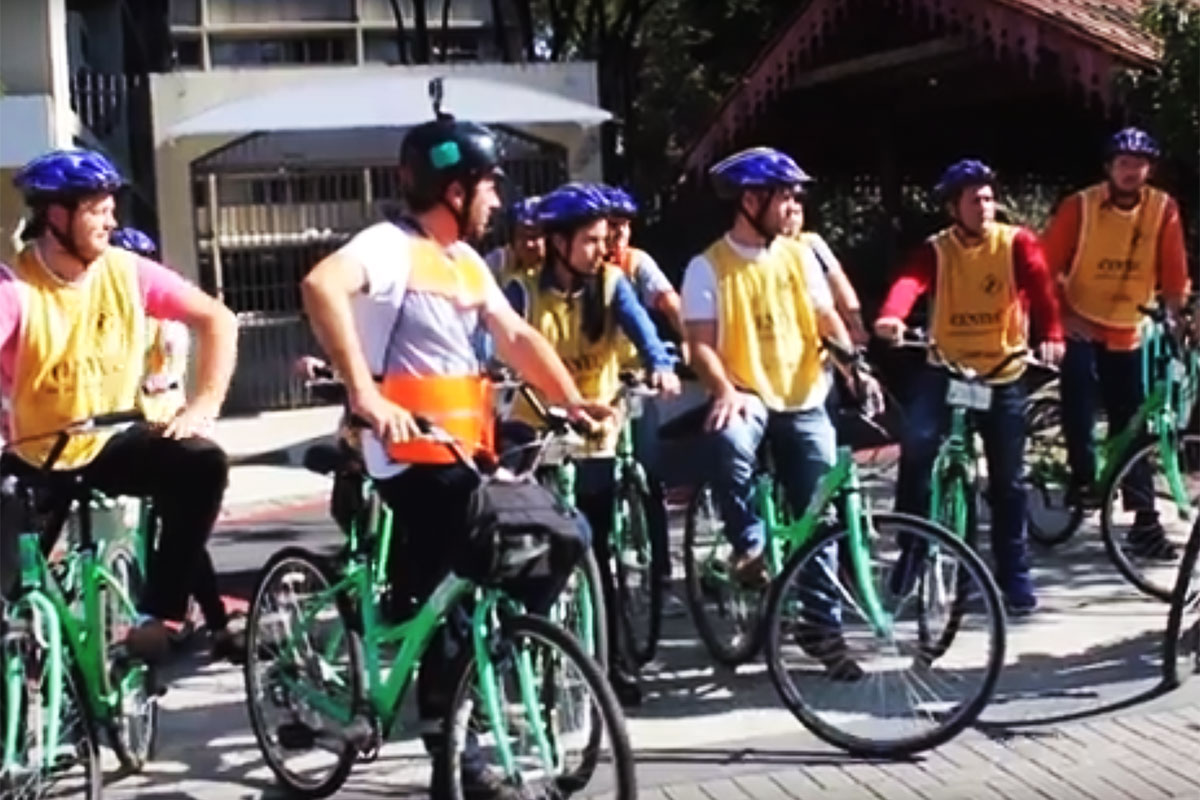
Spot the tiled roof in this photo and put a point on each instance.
(1113, 24)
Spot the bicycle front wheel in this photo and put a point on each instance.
(535, 712)
(728, 616)
(844, 647)
(47, 765)
(1144, 530)
(1181, 640)
(301, 660)
(639, 592)
(945, 589)
(580, 608)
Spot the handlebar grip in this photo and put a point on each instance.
(423, 425)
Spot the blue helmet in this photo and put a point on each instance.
(524, 211)
(571, 205)
(1132, 141)
(961, 174)
(621, 203)
(67, 175)
(133, 240)
(757, 168)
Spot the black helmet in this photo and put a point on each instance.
(437, 153)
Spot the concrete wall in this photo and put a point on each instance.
(178, 96)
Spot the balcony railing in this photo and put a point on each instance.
(106, 103)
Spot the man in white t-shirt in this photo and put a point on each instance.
(398, 309)
(756, 310)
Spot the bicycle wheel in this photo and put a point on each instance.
(298, 645)
(580, 608)
(1051, 520)
(865, 682)
(639, 592)
(1147, 517)
(554, 713)
(133, 731)
(1181, 640)
(728, 616)
(945, 589)
(74, 756)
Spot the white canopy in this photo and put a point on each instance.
(385, 99)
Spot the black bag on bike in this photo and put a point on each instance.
(518, 529)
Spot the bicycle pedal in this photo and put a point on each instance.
(296, 736)
(363, 735)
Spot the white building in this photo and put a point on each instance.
(274, 135)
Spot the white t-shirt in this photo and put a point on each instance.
(648, 278)
(437, 336)
(699, 296)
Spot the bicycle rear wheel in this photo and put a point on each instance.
(945, 589)
(580, 608)
(553, 711)
(866, 683)
(639, 592)
(298, 645)
(69, 766)
(1139, 510)
(728, 616)
(1051, 519)
(1181, 640)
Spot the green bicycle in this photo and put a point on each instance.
(1155, 447)
(64, 674)
(828, 578)
(315, 674)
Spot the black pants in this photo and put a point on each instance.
(185, 479)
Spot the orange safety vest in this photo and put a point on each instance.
(459, 404)
(1115, 269)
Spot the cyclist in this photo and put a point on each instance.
(755, 317)
(845, 298)
(524, 253)
(583, 306)
(72, 319)
(162, 396)
(1109, 247)
(980, 273)
(397, 309)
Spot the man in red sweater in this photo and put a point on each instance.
(1109, 247)
(981, 276)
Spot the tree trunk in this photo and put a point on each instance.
(445, 29)
(421, 32)
(401, 37)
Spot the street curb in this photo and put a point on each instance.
(272, 508)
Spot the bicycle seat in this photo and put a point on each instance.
(331, 459)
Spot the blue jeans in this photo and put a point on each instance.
(1118, 375)
(1003, 430)
(803, 448)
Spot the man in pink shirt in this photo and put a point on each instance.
(72, 320)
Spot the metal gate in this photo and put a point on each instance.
(270, 206)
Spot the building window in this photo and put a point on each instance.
(313, 49)
(186, 52)
(462, 44)
(185, 12)
(259, 11)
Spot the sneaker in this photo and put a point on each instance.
(477, 784)
(149, 640)
(229, 643)
(749, 570)
(1147, 539)
(1019, 597)
(828, 646)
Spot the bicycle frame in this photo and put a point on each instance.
(84, 638)
(958, 448)
(784, 537)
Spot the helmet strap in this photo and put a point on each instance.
(64, 238)
(756, 220)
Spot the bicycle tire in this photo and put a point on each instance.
(86, 744)
(1041, 414)
(133, 747)
(699, 584)
(349, 752)
(964, 715)
(1182, 636)
(620, 752)
(641, 649)
(959, 516)
(591, 570)
(1116, 552)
